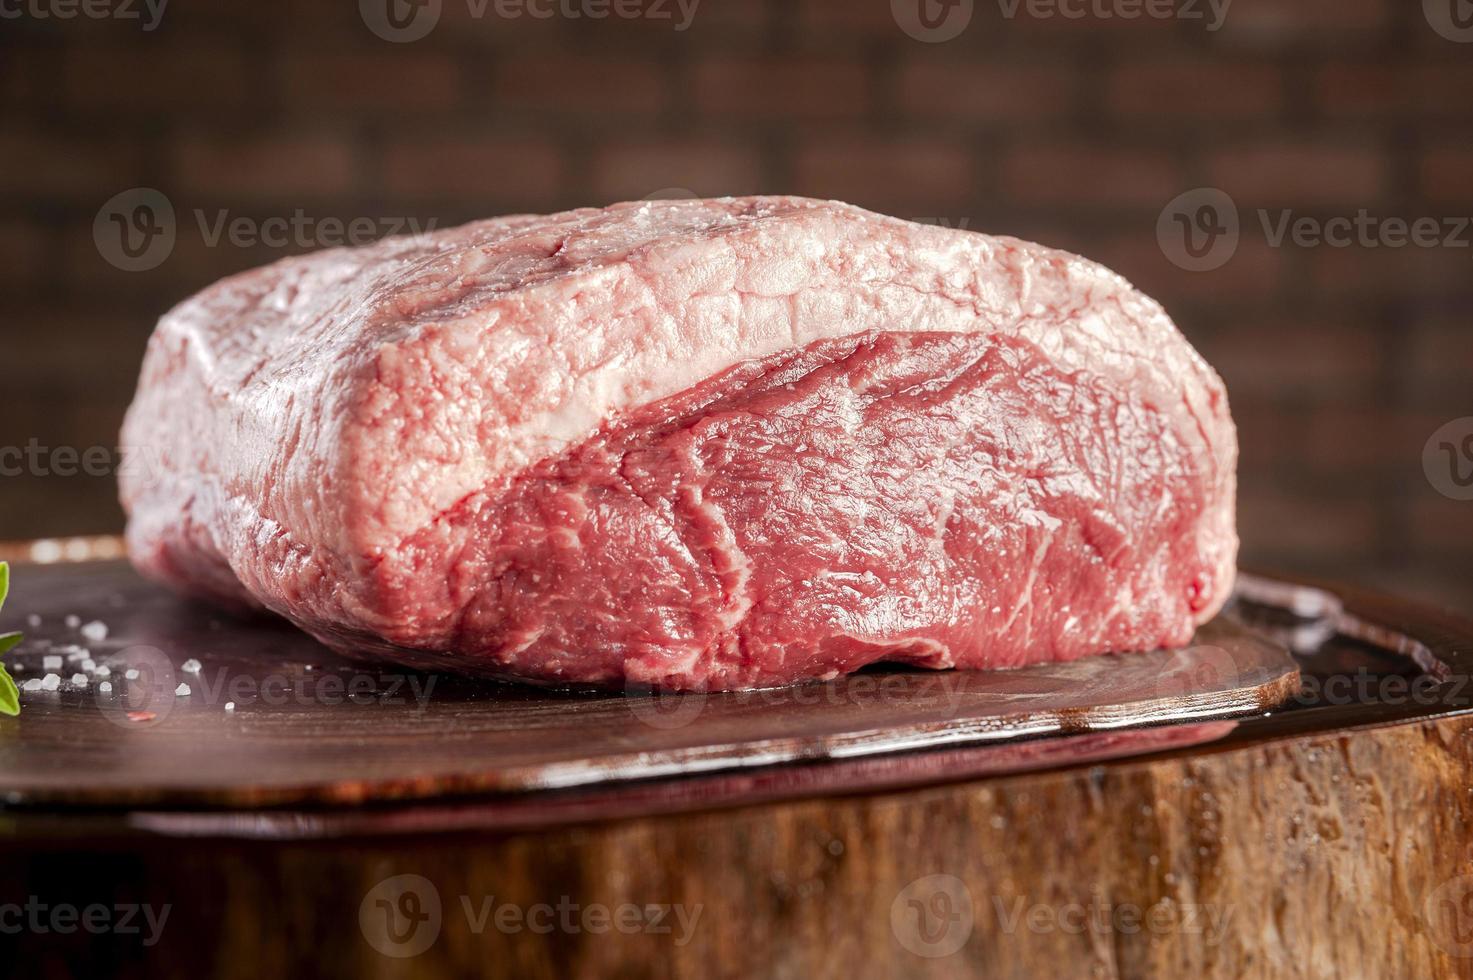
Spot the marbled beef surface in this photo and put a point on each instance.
(701, 444)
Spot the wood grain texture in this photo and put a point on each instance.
(1321, 852)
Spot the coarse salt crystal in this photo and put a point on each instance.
(89, 664)
(72, 622)
(50, 682)
(34, 684)
(229, 705)
(104, 671)
(191, 666)
(131, 673)
(182, 691)
(51, 663)
(96, 631)
(105, 687)
(80, 680)
(76, 655)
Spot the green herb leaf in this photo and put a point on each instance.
(9, 693)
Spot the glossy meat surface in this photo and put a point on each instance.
(700, 444)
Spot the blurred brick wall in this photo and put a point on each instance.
(1341, 362)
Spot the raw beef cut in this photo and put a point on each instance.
(693, 444)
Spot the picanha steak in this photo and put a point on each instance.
(695, 444)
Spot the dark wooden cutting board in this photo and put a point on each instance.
(304, 726)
